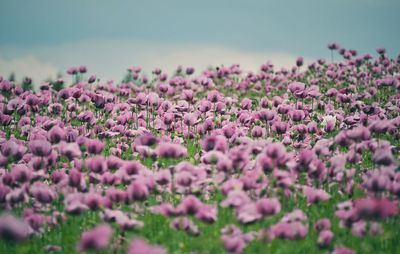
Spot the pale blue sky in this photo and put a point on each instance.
(110, 36)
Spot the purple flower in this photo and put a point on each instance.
(299, 61)
(72, 71)
(268, 206)
(165, 209)
(75, 178)
(40, 148)
(233, 244)
(42, 192)
(290, 231)
(234, 240)
(218, 143)
(186, 225)
(190, 205)
(325, 238)
(82, 69)
(315, 195)
(10, 148)
(122, 219)
(97, 164)
(14, 229)
(139, 246)
(375, 228)
(297, 115)
(138, 190)
(359, 228)
(322, 224)
(383, 156)
(333, 46)
(207, 213)
(132, 167)
(235, 199)
(95, 239)
(359, 134)
(329, 123)
(280, 127)
(214, 96)
(375, 208)
(257, 132)
(56, 134)
(146, 139)
(343, 250)
(246, 104)
(381, 51)
(92, 79)
(187, 95)
(296, 88)
(170, 150)
(20, 173)
(94, 146)
(248, 213)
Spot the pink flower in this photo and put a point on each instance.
(165, 209)
(235, 199)
(234, 240)
(268, 206)
(21, 173)
(40, 147)
(297, 115)
(257, 132)
(139, 246)
(207, 213)
(248, 213)
(14, 229)
(233, 244)
(299, 61)
(10, 148)
(322, 224)
(132, 167)
(42, 192)
(97, 164)
(315, 195)
(95, 239)
(94, 146)
(325, 238)
(75, 178)
(358, 134)
(92, 79)
(56, 134)
(138, 190)
(171, 150)
(343, 250)
(383, 156)
(122, 219)
(329, 123)
(94, 200)
(246, 104)
(286, 230)
(163, 177)
(296, 88)
(359, 228)
(375, 208)
(186, 225)
(70, 150)
(190, 205)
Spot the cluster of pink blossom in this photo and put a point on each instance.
(186, 146)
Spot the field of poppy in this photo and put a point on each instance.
(300, 160)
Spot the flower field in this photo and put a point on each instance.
(222, 160)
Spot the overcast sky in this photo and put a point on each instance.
(41, 38)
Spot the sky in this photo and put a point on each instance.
(44, 37)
